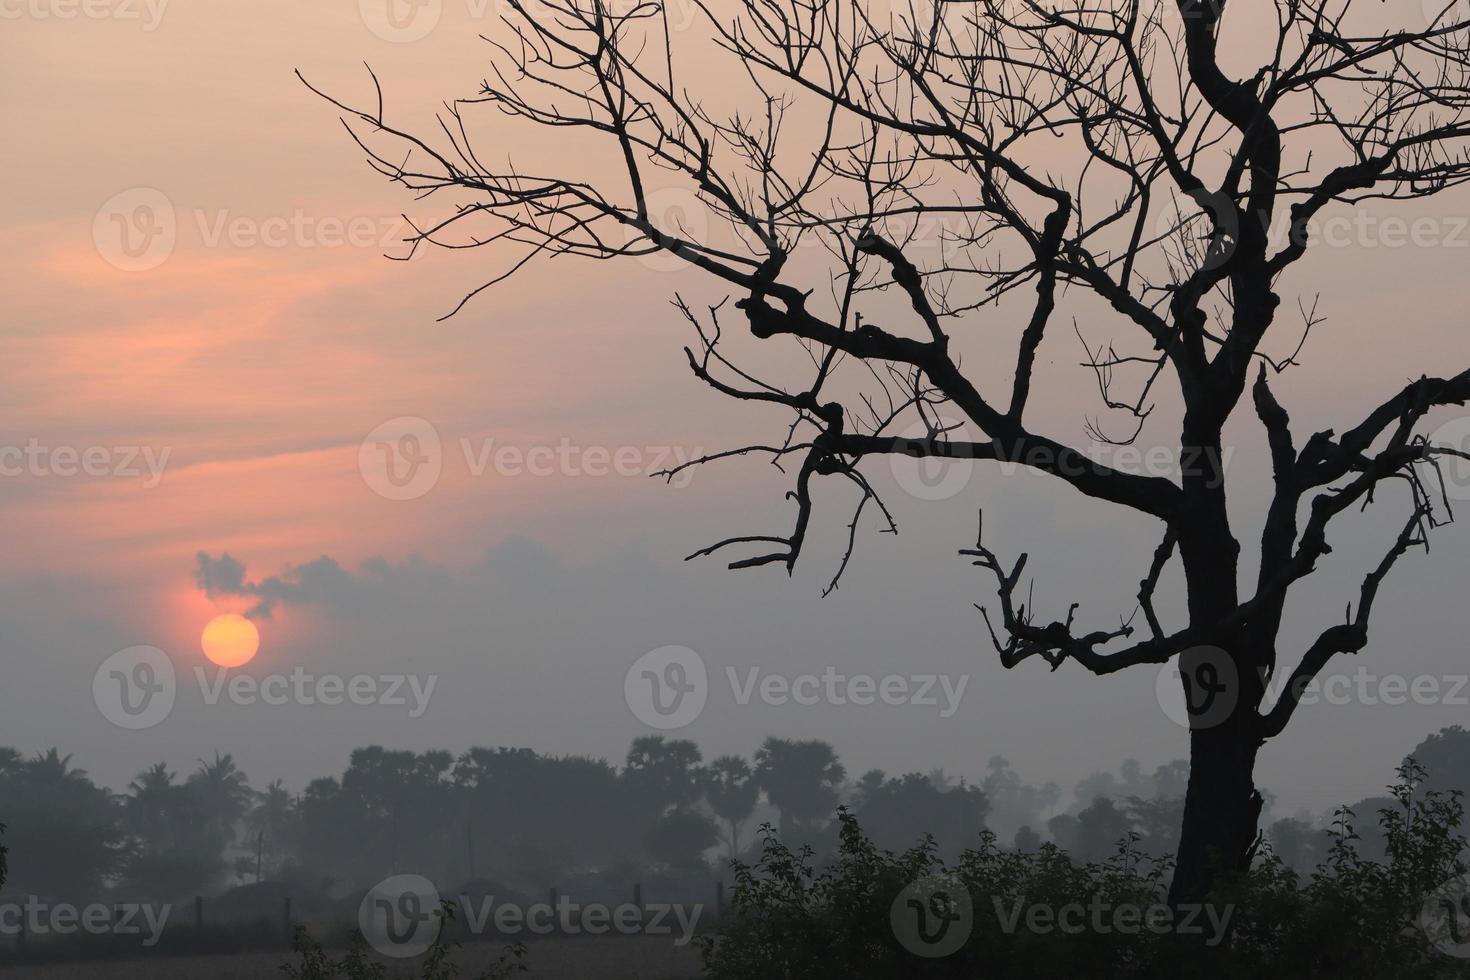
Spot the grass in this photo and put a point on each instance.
(569, 958)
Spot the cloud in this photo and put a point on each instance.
(319, 581)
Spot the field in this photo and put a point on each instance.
(577, 958)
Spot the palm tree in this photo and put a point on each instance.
(176, 848)
(224, 795)
(270, 822)
(54, 769)
(732, 793)
(801, 779)
(151, 804)
(667, 773)
(62, 825)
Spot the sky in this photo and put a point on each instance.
(206, 355)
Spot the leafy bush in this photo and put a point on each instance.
(873, 915)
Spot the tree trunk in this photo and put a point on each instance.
(1224, 685)
(1221, 810)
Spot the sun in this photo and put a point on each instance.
(230, 640)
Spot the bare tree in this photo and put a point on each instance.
(1059, 153)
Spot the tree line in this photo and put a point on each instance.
(525, 821)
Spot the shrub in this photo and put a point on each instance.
(871, 914)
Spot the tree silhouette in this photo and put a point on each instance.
(897, 813)
(732, 794)
(1100, 152)
(176, 831)
(224, 796)
(1445, 756)
(61, 827)
(271, 825)
(1014, 803)
(802, 779)
(150, 807)
(1300, 845)
(665, 773)
(1027, 840)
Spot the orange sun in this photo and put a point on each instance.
(230, 640)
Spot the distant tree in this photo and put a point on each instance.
(899, 813)
(396, 793)
(1099, 829)
(802, 779)
(1171, 780)
(62, 828)
(334, 839)
(680, 838)
(224, 796)
(1156, 820)
(1027, 841)
(151, 808)
(271, 828)
(1445, 756)
(1064, 831)
(1300, 845)
(732, 794)
(867, 786)
(540, 817)
(665, 773)
(175, 848)
(1013, 802)
(1370, 839)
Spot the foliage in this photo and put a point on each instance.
(895, 809)
(802, 780)
(357, 962)
(793, 920)
(62, 826)
(732, 794)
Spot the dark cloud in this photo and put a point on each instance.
(322, 580)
